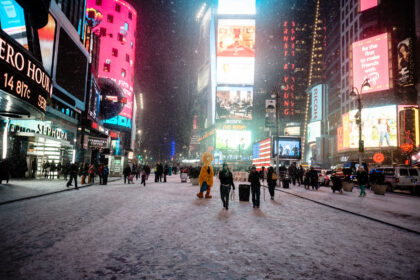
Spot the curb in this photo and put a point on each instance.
(354, 213)
(51, 193)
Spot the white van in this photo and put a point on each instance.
(401, 177)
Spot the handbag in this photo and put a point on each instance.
(232, 195)
(274, 177)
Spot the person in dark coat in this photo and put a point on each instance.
(105, 174)
(362, 180)
(300, 173)
(307, 180)
(293, 172)
(262, 174)
(271, 181)
(34, 167)
(73, 175)
(159, 171)
(226, 181)
(254, 179)
(126, 173)
(313, 175)
(337, 185)
(165, 172)
(4, 171)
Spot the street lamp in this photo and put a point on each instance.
(356, 93)
(275, 93)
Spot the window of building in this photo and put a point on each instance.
(127, 58)
(130, 15)
(99, 2)
(107, 67)
(110, 35)
(102, 31)
(120, 37)
(12, 19)
(110, 18)
(115, 52)
(123, 72)
(132, 44)
(118, 7)
(126, 26)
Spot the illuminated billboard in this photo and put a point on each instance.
(379, 127)
(288, 147)
(406, 70)
(408, 127)
(46, 37)
(117, 51)
(367, 4)
(235, 70)
(236, 7)
(261, 153)
(236, 38)
(12, 18)
(234, 103)
(371, 61)
(314, 131)
(316, 94)
(233, 139)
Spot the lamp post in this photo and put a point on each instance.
(356, 93)
(276, 94)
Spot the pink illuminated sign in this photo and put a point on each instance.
(371, 61)
(367, 4)
(117, 46)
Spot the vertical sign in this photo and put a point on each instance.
(288, 98)
(316, 93)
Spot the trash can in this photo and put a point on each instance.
(244, 191)
(286, 182)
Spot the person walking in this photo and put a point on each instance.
(226, 181)
(143, 177)
(271, 181)
(126, 173)
(160, 171)
(262, 174)
(34, 167)
(293, 172)
(300, 173)
(134, 171)
(100, 173)
(91, 174)
(362, 180)
(59, 170)
(254, 179)
(307, 180)
(73, 175)
(105, 174)
(165, 172)
(314, 178)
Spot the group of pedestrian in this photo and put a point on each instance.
(161, 172)
(88, 171)
(49, 169)
(136, 171)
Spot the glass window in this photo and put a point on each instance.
(102, 31)
(110, 18)
(99, 2)
(120, 37)
(107, 67)
(403, 172)
(389, 171)
(130, 15)
(12, 21)
(126, 26)
(118, 7)
(413, 172)
(115, 52)
(46, 41)
(123, 72)
(127, 58)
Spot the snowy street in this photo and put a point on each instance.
(163, 231)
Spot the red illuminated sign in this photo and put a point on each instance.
(371, 61)
(367, 4)
(288, 98)
(378, 157)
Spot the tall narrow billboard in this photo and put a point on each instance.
(316, 94)
(236, 38)
(371, 60)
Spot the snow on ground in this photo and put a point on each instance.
(163, 231)
(395, 208)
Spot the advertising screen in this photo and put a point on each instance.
(379, 127)
(236, 38)
(314, 131)
(316, 94)
(261, 153)
(46, 41)
(235, 70)
(371, 61)
(408, 127)
(234, 103)
(233, 139)
(236, 7)
(12, 19)
(405, 50)
(270, 112)
(367, 4)
(288, 147)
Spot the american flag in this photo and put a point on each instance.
(261, 153)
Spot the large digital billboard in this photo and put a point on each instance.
(405, 50)
(367, 4)
(235, 70)
(234, 103)
(379, 127)
(314, 131)
(233, 139)
(236, 7)
(288, 147)
(371, 61)
(236, 38)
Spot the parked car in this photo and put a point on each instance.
(401, 177)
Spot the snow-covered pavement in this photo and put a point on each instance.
(163, 231)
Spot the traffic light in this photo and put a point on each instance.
(361, 146)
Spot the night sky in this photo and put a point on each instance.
(166, 34)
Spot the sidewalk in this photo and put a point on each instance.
(25, 188)
(399, 209)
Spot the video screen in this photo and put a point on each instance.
(288, 147)
(236, 7)
(234, 103)
(236, 38)
(233, 139)
(235, 70)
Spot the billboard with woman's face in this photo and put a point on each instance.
(405, 62)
